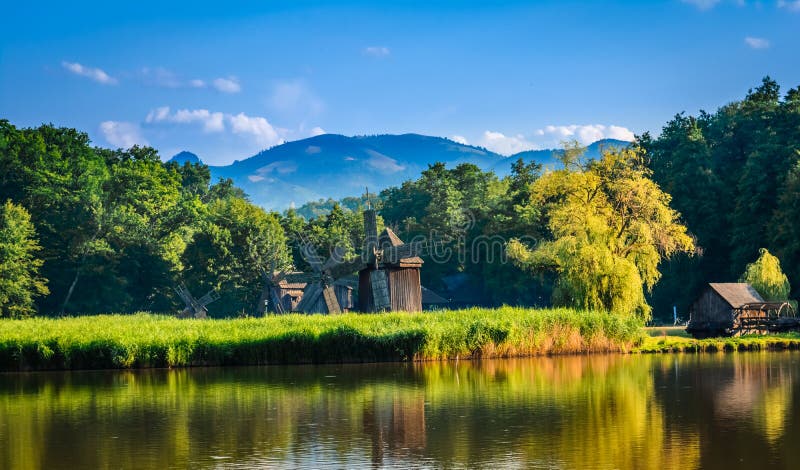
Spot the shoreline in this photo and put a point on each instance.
(148, 341)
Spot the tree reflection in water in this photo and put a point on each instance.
(614, 411)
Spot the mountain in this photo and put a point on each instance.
(548, 157)
(336, 166)
(184, 157)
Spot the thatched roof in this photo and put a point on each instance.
(736, 293)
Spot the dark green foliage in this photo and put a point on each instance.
(733, 176)
(114, 225)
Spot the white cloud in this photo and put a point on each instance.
(161, 77)
(317, 131)
(257, 128)
(91, 73)
(197, 83)
(122, 134)
(585, 134)
(548, 137)
(702, 4)
(791, 5)
(211, 121)
(227, 85)
(756, 43)
(377, 51)
(503, 144)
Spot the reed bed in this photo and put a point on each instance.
(144, 340)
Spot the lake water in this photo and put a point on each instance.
(619, 411)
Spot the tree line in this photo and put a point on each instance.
(636, 231)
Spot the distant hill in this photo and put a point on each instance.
(335, 166)
(548, 157)
(183, 157)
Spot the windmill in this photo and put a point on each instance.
(195, 307)
(388, 269)
(327, 290)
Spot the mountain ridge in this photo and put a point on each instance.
(336, 166)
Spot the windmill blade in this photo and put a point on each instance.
(276, 301)
(380, 290)
(301, 277)
(210, 297)
(310, 296)
(184, 294)
(309, 253)
(278, 277)
(346, 268)
(329, 294)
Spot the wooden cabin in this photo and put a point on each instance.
(736, 308)
(403, 282)
(291, 293)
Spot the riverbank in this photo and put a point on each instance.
(676, 340)
(145, 340)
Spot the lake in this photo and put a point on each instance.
(682, 411)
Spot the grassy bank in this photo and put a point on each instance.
(665, 340)
(144, 340)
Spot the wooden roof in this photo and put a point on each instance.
(736, 293)
(389, 238)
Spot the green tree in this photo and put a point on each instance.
(233, 244)
(20, 282)
(766, 277)
(610, 227)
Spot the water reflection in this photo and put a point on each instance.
(682, 411)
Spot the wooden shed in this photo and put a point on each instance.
(725, 309)
(402, 279)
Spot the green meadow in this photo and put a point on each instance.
(146, 340)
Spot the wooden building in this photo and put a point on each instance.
(725, 309)
(402, 278)
(291, 293)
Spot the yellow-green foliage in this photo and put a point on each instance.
(611, 226)
(143, 340)
(766, 277)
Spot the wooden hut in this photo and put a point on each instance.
(736, 308)
(402, 278)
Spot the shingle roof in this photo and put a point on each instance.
(389, 238)
(736, 293)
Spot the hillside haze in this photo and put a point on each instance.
(336, 166)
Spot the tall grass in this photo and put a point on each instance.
(674, 344)
(145, 340)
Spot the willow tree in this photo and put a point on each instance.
(766, 277)
(609, 228)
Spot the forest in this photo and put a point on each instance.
(86, 230)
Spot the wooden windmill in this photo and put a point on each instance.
(195, 307)
(327, 289)
(388, 270)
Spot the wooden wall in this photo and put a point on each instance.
(404, 290)
(711, 307)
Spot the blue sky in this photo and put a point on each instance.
(226, 79)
